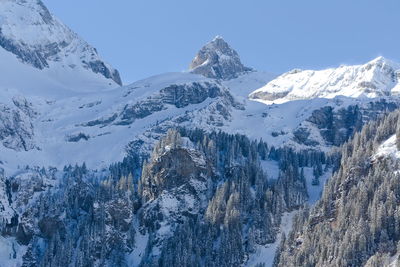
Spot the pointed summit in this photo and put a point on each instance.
(218, 60)
(382, 61)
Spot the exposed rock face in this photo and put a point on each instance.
(77, 137)
(28, 30)
(218, 60)
(46, 210)
(8, 216)
(336, 126)
(98, 66)
(173, 96)
(34, 58)
(20, 190)
(269, 96)
(16, 128)
(173, 188)
(174, 168)
(177, 95)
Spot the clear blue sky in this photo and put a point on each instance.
(146, 37)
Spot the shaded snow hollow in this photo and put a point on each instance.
(265, 254)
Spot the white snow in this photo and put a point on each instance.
(11, 252)
(315, 191)
(245, 84)
(134, 258)
(388, 149)
(265, 254)
(260, 121)
(52, 83)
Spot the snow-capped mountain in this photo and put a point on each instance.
(62, 110)
(377, 78)
(68, 130)
(37, 46)
(218, 60)
(221, 152)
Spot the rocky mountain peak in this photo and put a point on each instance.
(37, 38)
(218, 60)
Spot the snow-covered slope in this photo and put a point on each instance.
(61, 114)
(377, 78)
(96, 127)
(56, 82)
(46, 53)
(388, 149)
(54, 118)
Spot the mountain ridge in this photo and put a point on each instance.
(376, 78)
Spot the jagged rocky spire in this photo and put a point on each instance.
(218, 60)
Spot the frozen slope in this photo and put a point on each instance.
(52, 83)
(68, 116)
(96, 127)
